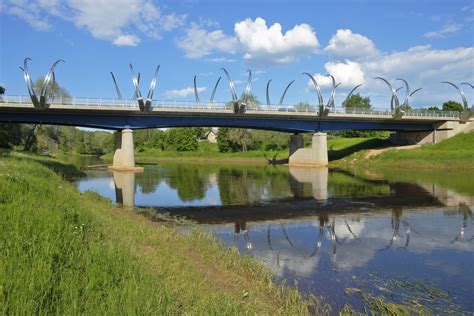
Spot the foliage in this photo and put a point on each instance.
(55, 89)
(358, 102)
(452, 106)
(182, 139)
(2, 90)
(302, 106)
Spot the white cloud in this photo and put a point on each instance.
(185, 92)
(119, 21)
(446, 29)
(126, 40)
(348, 73)
(347, 45)
(199, 42)
(421, 66)
(269, 44)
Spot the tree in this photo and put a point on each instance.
(433, 108)
(11, 135)
(242, 139)
(358, 102)
(452, 106)
(55, 89)
(182, 139)
(2, 90)
(302, 106)
(223, 142)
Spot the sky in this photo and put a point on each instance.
(424, 42)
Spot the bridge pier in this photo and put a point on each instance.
(124, 156)
(316, 156)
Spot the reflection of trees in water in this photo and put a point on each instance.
(243, 185)
(149, 180)
(190, 182)
(344, 185)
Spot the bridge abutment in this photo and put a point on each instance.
(316, 156)
(440, 132)
(124, 156)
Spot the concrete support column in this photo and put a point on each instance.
(296, 142)
(320, 149)
(124, 156)
(316, 156)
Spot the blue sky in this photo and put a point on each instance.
(424, 42)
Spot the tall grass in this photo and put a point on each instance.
(69, 253)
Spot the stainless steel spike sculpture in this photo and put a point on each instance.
(349, 96)
(144, 106)
(321, 110)
(119, 95)
(238, 108)
(468, 84)
(397, 112)
(407, 93)
(249, 83)
(330, 106)
(267, 93)
(211, 100)
(196, 94)
(284, 92)
(45, 99)
(466, 113)
(415, 91)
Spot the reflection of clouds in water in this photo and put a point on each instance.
(290, 243)
(111, 184)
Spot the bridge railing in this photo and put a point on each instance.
(79, 102)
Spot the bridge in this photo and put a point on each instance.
(125, 116)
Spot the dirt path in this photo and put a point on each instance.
(375, 152)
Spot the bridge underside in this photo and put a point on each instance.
(114, 120)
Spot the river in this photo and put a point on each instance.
(345, 237)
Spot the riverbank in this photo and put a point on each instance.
(70, 253)
(338, 147)
(456, 153)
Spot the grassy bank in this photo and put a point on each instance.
(68, 253)
(338, 147)
(456, 153)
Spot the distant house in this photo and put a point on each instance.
(211, 136)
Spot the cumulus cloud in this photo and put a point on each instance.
(348, 73)
(421, 66)
(256, 41)
(199, 42)
(120, 21)
(446, 29)
(269, 44)
(185, 92)
(347, 45)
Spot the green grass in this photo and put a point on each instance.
(69, 253)
(338, 147)
(451, 154)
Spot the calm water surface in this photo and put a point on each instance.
(408, 237)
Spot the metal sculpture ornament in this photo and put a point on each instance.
(323, 110)
(45, 97)
(465, 115)
(397, 111)
(239, 107)
(145, 106)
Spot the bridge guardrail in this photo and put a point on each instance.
(79, 102)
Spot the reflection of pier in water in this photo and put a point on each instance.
(310, 190)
